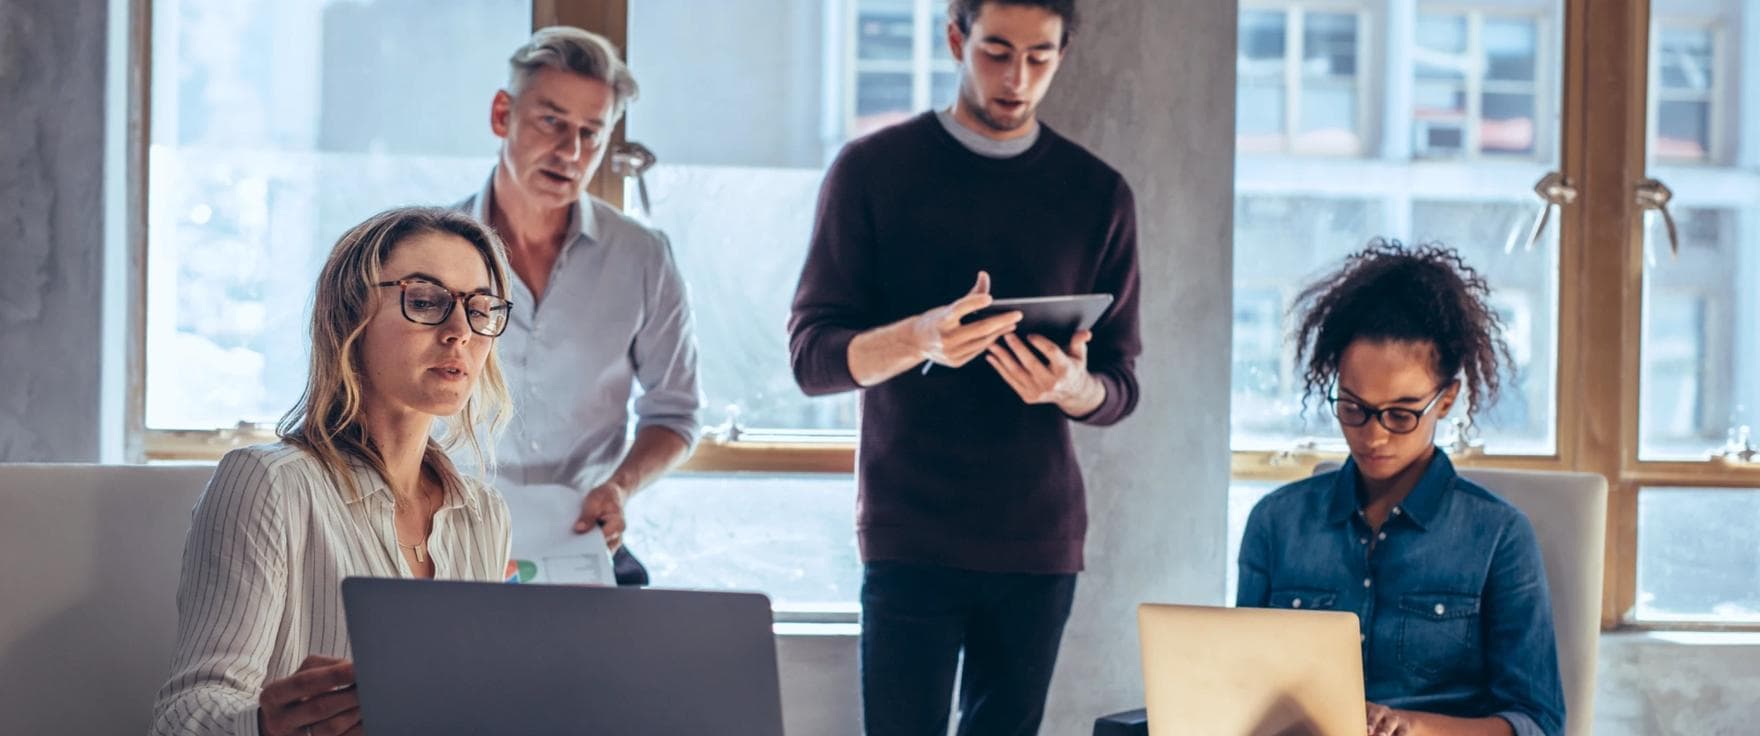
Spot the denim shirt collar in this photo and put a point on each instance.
(1420, 506)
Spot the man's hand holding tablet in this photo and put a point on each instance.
(943, 336)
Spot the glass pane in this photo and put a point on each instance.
(1491, 237)
(1259, 113)
(943, 87)
(1699, 555)
(1441, 36)
(1279, 242)
(882, 98)
(1329, 119)
(1508, 124)
(885, 29)
(1683, 130)
(1699, 380)
(1329, 45)
(1684, 58)
(1511, 49)
(1263, 40)
(1695, 399)
(1297, 214)
(276, 126)
(791, 537)
(737, 198)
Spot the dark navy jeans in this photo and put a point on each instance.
(918, 619)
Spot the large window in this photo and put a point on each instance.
(276, 126)
(1663, 394)
(1297, 213)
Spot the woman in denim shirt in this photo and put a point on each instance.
(1444, 576)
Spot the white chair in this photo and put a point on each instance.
(1569, 514)
(92, 555)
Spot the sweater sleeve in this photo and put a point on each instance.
(1112, 354)
(834, 300)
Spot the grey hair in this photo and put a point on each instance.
(582, 52)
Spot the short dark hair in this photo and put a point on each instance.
(963, 12)
(1390, 293)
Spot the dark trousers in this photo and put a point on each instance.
(916, 620)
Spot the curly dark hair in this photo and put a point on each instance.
(964, 12)
(1389, 292)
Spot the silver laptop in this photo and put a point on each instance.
(436, 657)
(1251, 671)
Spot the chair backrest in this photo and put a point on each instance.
(1569, 514)
(92, 556)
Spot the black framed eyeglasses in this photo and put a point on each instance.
(1397, 419)
(428, 303)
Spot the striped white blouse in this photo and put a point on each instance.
(269, 544)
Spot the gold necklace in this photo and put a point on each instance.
(419, 549)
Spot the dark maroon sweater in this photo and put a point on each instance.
(953, 468)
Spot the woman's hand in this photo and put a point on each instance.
(1385, 721)
(317, 700)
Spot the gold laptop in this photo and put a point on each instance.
(1251, 671)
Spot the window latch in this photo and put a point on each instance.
(1655, 195)
(1555, 192)
(632, 159)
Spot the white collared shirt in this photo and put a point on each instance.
(615, 313)
(270, 542)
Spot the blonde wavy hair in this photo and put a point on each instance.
(327, 420)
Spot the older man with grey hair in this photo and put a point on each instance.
(598, 302)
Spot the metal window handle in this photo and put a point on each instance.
(1555, 191)
(634, 159)
(1655, 195)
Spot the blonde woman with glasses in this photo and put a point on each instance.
(404, 323)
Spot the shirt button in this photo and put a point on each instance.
(1382, 536)
(1363, 637)
(1367, 582)
(1441, 609)
(1297, 603)
(534, 445)
(1362, 540)
(1396, 511)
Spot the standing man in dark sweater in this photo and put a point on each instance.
(972, 514)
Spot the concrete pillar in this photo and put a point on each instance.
(1149, 86)
(52, 148)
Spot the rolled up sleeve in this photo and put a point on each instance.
(665, 355)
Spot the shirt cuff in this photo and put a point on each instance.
(686, 428)
(1521, 723)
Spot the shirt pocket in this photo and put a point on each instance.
(1439, 633)
(1312, 599)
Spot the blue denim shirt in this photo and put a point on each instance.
(1452, 602)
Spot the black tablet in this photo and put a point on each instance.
(1055, 317)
